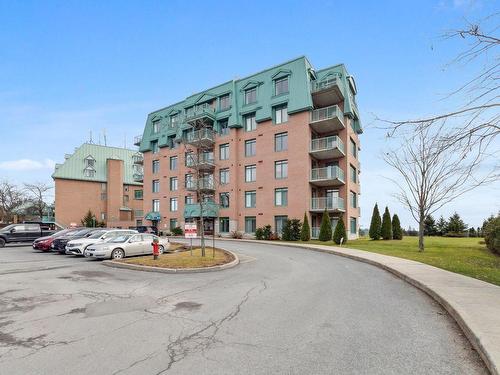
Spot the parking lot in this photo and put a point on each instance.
(282, 310)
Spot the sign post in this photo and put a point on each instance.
(190, 232)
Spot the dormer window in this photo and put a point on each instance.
(89, 162)
(281, 86)
(251, 95)
(174, 120)
(89, 172)
(224, 102)
(156, 126)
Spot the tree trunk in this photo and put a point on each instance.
(421, 233)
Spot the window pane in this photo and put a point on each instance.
(250, 123)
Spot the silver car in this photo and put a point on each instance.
(126, 245)
(79, 246)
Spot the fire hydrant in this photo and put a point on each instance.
(156, 248)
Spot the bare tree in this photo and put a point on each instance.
(11, 197)
(36, 195)
(199, 144)
(435, 172)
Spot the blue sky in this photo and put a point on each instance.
(69, 67)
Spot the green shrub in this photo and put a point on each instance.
(340, 232)
(291, 230)
(305, 233)
(491, 233)
(236, 234)
(375, 224)
(259, 234)
(325, 231)
(386, 231)
(263, 233)
(177, 231)
(397, 232)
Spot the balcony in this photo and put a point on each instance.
(327, 148)
(137, 140)
(201, 115)
(327, 92)
(209, 209)
(327, 119)
(138, 177)
(138, 159)
(203, 138)
(319, 204)
(327, 176)
(206, 162)
(205, 184)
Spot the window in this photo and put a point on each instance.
(223, 127)
(154, 147)
(156, 126)
(281, 169)
(173, 163)
(89, 172)
(104, 196)
(89, 162)
(251, 95)
(224, 200)
(173, 204)
(224, 102)
(354, 177)
(189, 159)
(250, 199)
(156, 205)
(281, 197)
(250, 224)
(250, 147)
(281, 142)
(173, 224)
(224, 151)
(280, 114)
(224, 176)
(354, 149)
(279, 223)
(353, 226)
(138, 213)
(174, 120)
(188, 199)
(250, 173)
(224, 225)
(156, 186)
(173, 184)
(354, 199)
(188, 181)
(156, 166)
(138, 194)
(250, 123)
(281, 86)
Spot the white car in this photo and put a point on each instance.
(126, 245)
(78, 246)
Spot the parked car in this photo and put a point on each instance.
(126, 245)
(146, 229)
(44, 243)
(59, 244)
(23, 233)
(78, 246)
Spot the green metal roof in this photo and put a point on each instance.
(300, 73)
(74, 165)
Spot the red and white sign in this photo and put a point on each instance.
(190, 231)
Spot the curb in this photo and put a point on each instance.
(480, 343)
(136, 267)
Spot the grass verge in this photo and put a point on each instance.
(461, 255)
(184, 259)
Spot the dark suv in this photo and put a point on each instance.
(23, 233)
(59, 244)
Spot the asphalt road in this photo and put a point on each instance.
(281, 311)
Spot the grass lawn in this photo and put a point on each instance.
(183, 259)
(461, 255)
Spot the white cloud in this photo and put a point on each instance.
(27, 165)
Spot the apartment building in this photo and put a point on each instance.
(101, 179)
(276, 144)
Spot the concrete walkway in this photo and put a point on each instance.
(474, 304)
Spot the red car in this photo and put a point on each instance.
(43, 243)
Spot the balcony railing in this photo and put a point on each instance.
(200, 113)
(137, 140)
(327, 203)
(327, 119)
(201, 137)
(332, 175)
(137, 176)
(327, 92)
(204, 183)
(205, 160)
(327, 147)
(138, 159)
(326, 113)
(325, 84)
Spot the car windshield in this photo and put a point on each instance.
(97, 234)
(62, 233)
(120, 239)
(77, 232)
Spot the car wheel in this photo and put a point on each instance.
(161, 249)
(2, 242)
(118, 254)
